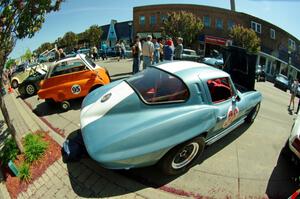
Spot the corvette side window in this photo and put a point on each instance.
(220, 89)
(157, 86)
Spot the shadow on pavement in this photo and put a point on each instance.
(151, 176)
(121, 74)
(90, 180)
(282, 181)
(44, 109)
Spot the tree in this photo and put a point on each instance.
(93, 35)
(9, 63)
(20, 19)
(27, 55)
(44, 47)
(246, 38)
(69, 40)
(182, 24)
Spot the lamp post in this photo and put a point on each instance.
(130, 32)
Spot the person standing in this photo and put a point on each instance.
(136, 55)
(294, 90)
(148, 49)
(104, 51)
(156, 53)
(123, 50)
(169, 50)
(62, 54)
(95, 53)
(118, 50)
(179, 49)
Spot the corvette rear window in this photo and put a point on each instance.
(157, 86)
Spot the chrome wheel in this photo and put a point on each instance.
(185, 156)
(30, 89)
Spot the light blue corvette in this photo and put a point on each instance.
(165, 114)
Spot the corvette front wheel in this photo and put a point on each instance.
(182, 157)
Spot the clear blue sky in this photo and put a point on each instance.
(78, 15)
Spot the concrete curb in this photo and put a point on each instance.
(122, 181)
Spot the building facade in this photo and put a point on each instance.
(280, 51)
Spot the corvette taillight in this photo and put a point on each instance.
(296, 144)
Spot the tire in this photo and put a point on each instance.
(14, 84)
(65, 105)
(252, 115)
(182, 157)
(30, 90)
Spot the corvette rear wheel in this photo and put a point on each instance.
(253, 113)
(179, 159)
(30, 89)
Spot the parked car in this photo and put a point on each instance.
(20, 68)
(292, 148)
(30, 85)
(85, 51)
(175, 109)
(260, 74)
(214, 61)
(71, 78)
(190, 55)
(50, 57)
(282, 82)
(19, 77)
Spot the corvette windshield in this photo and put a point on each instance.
(157, 86)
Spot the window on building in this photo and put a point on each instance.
(292, 44)
(256, 26)
(206, 21)
(142, 20)
(152, 20)
(230, 24)
(163, 18)
(272, 33)
(219, 23)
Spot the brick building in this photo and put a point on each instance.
(280, 51)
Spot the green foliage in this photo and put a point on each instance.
(27, 55)
(34, 147)
(246, 38)
(24, 172)
(9, 151)
(9, 63)
(44, 47)
(92, 35)
(182, 24)
(69, 40)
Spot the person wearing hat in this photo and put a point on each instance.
(147, 49)
(168, 50)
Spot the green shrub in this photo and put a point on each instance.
(9, 151)
(24, 172)
(34, 147)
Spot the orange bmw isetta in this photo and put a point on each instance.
(72, 78)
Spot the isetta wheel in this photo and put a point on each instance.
(65, 105)
(179, 159)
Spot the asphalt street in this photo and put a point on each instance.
(247, 163)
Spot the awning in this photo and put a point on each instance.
(215, 40)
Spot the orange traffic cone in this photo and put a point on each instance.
(10, 89)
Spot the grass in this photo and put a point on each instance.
(24, 172)
(34, 147)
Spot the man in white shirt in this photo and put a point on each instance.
(147, 49)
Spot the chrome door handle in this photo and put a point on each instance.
(219, 118)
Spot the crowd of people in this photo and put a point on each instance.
(153, 51)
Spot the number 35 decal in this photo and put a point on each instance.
(76, 89)
(231, 116)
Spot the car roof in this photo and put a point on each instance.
(182, 68)
(71, 58)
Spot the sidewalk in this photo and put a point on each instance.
(82, 179)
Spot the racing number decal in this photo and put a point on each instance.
(76, 89)
(231, 116)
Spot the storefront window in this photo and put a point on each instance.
(206, 21)
(219, 23)
(230, 24)
(142, 20)
(152, 20)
